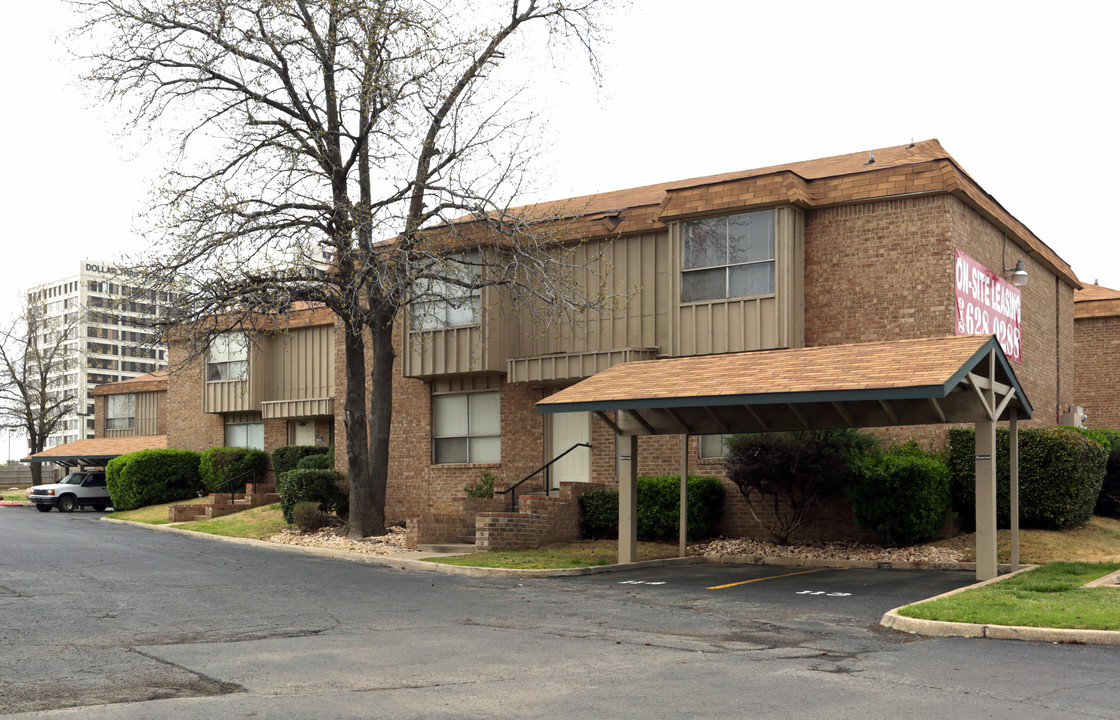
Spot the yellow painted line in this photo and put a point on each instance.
(772, 577)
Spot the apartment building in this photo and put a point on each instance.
(898, 243)
(106, 319)
(1097, 333)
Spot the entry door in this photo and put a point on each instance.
(567, 430)
(304, 433)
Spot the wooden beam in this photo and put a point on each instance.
(988, 409)
(679, 421)
(843, 414)
(761, 423)
(937, 409)
(610, 423)
(719, 421)
(640, 420)
(800, 419)
(890, 411)
(1003, 404)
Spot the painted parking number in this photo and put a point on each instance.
(640, 582)
(822, 592)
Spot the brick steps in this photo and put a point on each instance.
(218, 504)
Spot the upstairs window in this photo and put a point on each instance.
(120, 412)
(228, 358)
(728, 257)
(444, 303)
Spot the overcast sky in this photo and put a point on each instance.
(1023, 95)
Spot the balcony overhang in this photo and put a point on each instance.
(282, 409)
(561, 368)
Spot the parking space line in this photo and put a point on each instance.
(771, 577)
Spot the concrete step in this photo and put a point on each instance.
(453, 548)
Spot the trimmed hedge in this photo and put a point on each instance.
(1060, 475)
(658, 508)
(285, 458)
(1108, 500)
(901, 494)
(152, 477)
(220, 465)
(324, 487)
(320, 461)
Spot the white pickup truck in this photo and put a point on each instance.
(84, 488)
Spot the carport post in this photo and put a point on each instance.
(628, 508)
(684, 497)
(986, 559)
(1013, 467)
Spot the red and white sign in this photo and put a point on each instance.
(988, 305)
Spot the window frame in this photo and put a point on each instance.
(473, 436)
(445, 299)
(113, 415)
(248, 438)
(222, 365)
(722, 443)
(729, 263)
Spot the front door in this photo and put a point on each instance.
(567, 430)
(304, 432)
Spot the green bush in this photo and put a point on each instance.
(901, 494)
(1108, 500)
(658, 508)
(323, 487)
(322, 461)
(598, 517)
(220, 465)
(1060, 475)
(484, 488)
(285, 458)
(152, 477)
(783, 475)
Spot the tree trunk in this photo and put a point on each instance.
(381, 412)
(363, 513)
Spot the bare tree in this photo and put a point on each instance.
(35, 357)
(381, 135)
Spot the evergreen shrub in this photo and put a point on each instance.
(323, 487)
(152, 477)
(901, 494)
(285, 458)
(218, 466)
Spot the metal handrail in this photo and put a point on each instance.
(232, 480)
(530, 476)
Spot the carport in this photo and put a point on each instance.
(95, 452)
(965, 379)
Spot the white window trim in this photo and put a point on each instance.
(470, 435)
(727, 266)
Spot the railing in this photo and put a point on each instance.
(543, 468)
(231, 482)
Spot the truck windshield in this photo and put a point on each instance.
(72, 479)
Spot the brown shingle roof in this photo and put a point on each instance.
(919, 168)
(152, 382)
(1096, 301)
(830, 369)
(99, 448)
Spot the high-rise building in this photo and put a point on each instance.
(107, 320)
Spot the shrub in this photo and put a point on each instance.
(321, 461)
(285, 458)
(1060, 476)
(784, 475)
(323, 487)
(308, 517)
(1108, 500)
(484, 488)
(901, 494)
(152, 477)
(598, 517)
(659, 508)
(220, 465)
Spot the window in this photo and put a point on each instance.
(713, 447)
(442, 303)
(246, 435)
(728, 257)
(229, 358)
(467, 428)
(120, 412)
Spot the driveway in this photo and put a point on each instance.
(114, 621)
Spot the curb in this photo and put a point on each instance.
(941, 628)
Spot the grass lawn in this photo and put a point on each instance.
(583, 554)
(1096, 541)
(257, 523)
(13, 495)
(1049, 596)
(153, 514)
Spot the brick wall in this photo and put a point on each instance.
(187, 426)
(1098, 383)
